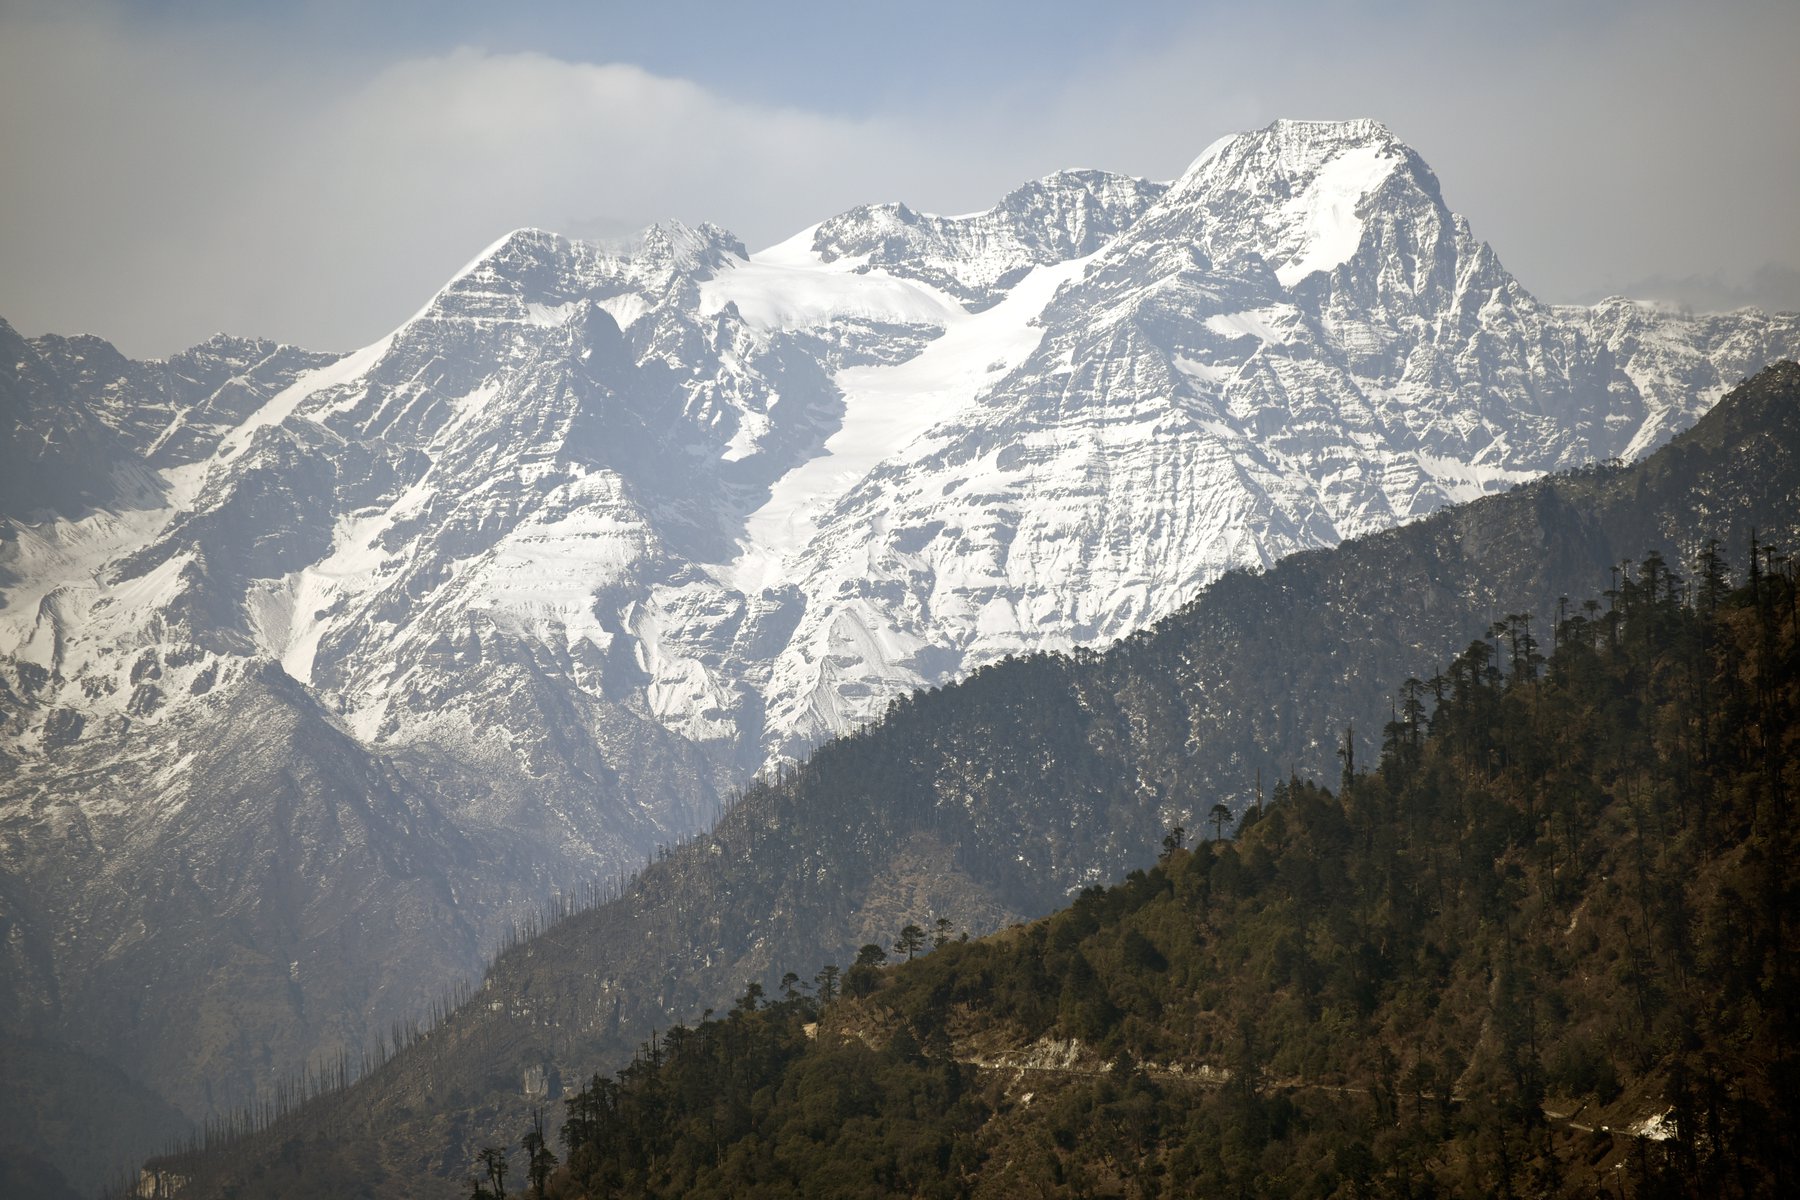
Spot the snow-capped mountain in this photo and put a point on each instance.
(316, 667)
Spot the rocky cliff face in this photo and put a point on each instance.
(1296, 343)
(315, 668)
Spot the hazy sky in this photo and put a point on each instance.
(314, 171)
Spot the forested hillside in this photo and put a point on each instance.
(1003, 796)
(1546, 947)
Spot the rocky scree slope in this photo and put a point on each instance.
(1004, 794)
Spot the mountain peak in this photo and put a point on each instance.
(522, 261)
(524, 244)
(1287, 151)
(697, 249)
(976, 257)
(1357, 128)
(1294, 191)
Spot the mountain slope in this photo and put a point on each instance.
(1004, 794)
(1545, 948)
(1297, 342)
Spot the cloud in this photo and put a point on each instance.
(165, 196)
(1771, 287)
(162, 184)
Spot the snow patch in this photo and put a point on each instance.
(56, 555)
(549, 316)
(470, 405)
(752, 428)
(885, 408)
(542, 577)
(185, 483)
(282, 404)
(788, 287)
(1204, 372)
(625, 308)
(311, 596)
(1463, 481)
(1262, 323)
(1323, 215)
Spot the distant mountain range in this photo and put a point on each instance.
(315, 670)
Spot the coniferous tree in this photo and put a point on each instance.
(1174, 840)
(827, 980)
(1220, 816)
(539, 1159)
(493, 1161)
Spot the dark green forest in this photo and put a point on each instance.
(1545, 947)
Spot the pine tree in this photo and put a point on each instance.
(827, 980)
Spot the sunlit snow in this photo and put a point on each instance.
(886, 407)
(1324, 213)
(279, 407)
(787, 286)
